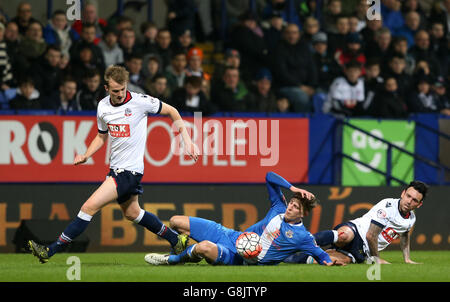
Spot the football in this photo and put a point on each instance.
(248, 245)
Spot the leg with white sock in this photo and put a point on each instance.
(150, 221)
(103, 195)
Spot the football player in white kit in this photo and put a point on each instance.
(362, 239)
(122, 116)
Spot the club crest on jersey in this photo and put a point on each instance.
(381, 213)
(119, 130)
(289, 234)
(128, 112)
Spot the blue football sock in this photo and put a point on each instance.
(325, 237)
(186, 256)
(73, 230)
(154, 225)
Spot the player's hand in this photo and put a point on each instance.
(334, 263)
(411, 262)
(192, 150)
(79, 159)
(304, 193)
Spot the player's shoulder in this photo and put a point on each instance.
(103, 103)
(386, 207)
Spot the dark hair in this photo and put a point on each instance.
(307, 204)
(419, 186)
(194, 81)
(58, 12)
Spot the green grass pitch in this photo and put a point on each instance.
(126, 267)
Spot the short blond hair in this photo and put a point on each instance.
(117, 73)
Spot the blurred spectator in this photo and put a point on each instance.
(352, 52)
(283, 105)
(381, 49)
(392, 15)
(369, 32)
(46, 73)
(133, 64)
(23, 17)
(232, 58)
(373, 82)
(326, 65)
(361, 14)
(423, 100)
(158, 87)
(311, 27)
(400, 46)
(163, 46)
(439, 44)
(86, 63)
(295, 70)
(421, 51)
(396, 69)
(59, 33)
(389, 102)
(91, 91)
(248, 38)
(183, 42)
(415, 6)
(6, 75)
(347, 94)
(440, 91)
(89, 16)
(180, 16)
(149, 31)
(354, 24)
(309, 8)
(176, 71)
(337, 40)
(112, 53)
(330, 16)
(194, 64)
(190, 97)
(151, 66)
(12, 45)
(410, 28)
(31, 47)
(27, 96)
(282, 8)
(230, 94)
(64, 101)
(87, 41)
(261, 98)
(128, 42)
(273, 30)
(123, 22)
(440, 12)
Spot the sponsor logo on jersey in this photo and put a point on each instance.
(119, 130)
(389, 234)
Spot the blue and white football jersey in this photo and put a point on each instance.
(279, 238)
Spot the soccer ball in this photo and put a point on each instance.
(248, 245)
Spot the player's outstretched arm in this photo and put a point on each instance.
(404, 246)
(95, 145)
(372, 240)
(172, 112)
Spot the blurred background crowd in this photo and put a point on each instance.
(270, 56)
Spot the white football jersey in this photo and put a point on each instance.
(385, 213)
(126, 124)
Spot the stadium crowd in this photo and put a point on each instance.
(275, 58)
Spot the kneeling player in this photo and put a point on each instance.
(362, 238)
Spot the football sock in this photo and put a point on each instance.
(153, 224)
(326, 237)
(187, 255)
(73, 230)
(298, 257)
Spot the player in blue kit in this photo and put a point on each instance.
(282, 232)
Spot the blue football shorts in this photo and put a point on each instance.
(225, 239)
(355, 247)
(128, 183)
